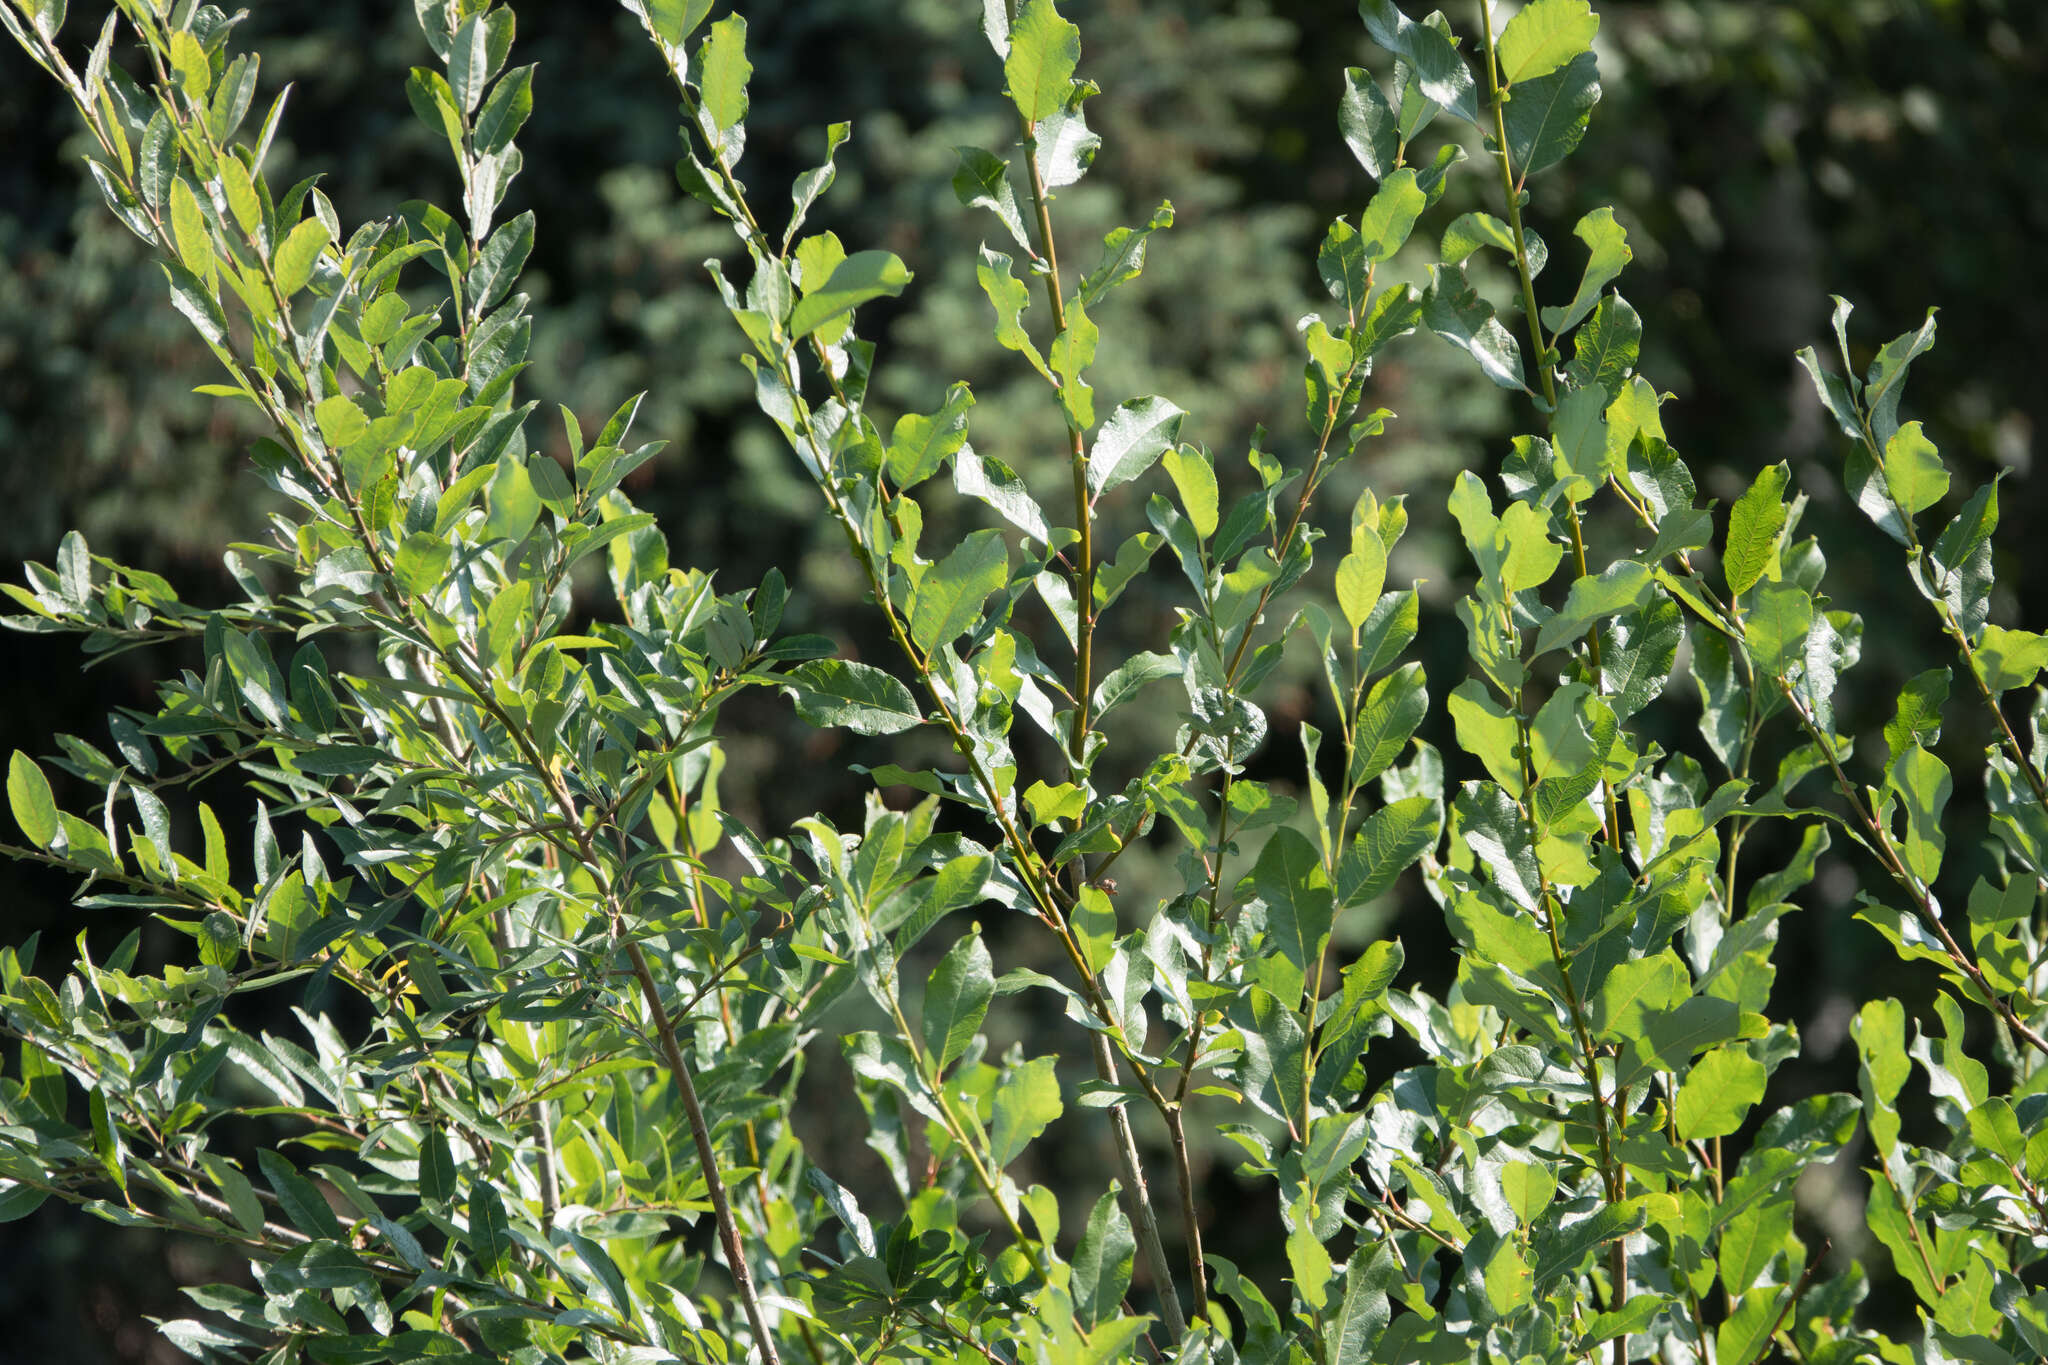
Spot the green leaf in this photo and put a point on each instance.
(1494, 828)
(1995, 1128)
(1064, 802)
(1529, 556)
(1754, 527)
(47, 16)
(1393, 710)
(1548, 115)
(957, 999)
(240, 191)
(1777, 626)
(675, 20)
(500, 260)
(1922, 783)
(1606, 239)
(299, 1198)
(991, 481)
(1308, 1259)
(920, 446)
(1492, 938)
(859, 697)
(983, 181)
(860, 277)
(1913, 470)
(1469, 232)
(499, 263)
(1506, 1278)
(1487, 732)
(726, 70)
(1387, 843)
(195, 299)
(1073, 351)
(1342, 264)
(1640, 651)
(1452, 308)
(1026, 1101)
(1618, 588)
(255, 676)
(1354, 1328)
(1390, 216)
(1194, 479)
(1605, 350)
(189, 61)
(1136, 434)
(1360, 577)
(490, 1235)
(1884, 384)
(2007, 659)
(1370, 125)
(505, 112)
(220, 940)
(106, 1140)
(1131, 676)
(469, 62)
(948, 599)
(341, 422)
(1390, 629)
(28, 795)
(1392, 313)
(1010, 297)
(1543, 36)
(1963, 554)
(1300, 905)
(1094, 922)
(437, 1168)
(1916, 719)
(1718, 1093)
(1044, 49)
(1123, 255)
(157, 162)
(1528, 1186)
(1440, 71)
(1750, 1240)
(514, 504)
(1102, 1262)
(298, 254)
(1637, 990)
(156, 827)
(1066, 145)
(19, 1201)
(1580, 431)
(190, 232)
(1560, 1250)
(1667, 1039)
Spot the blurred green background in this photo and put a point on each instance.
(1761, 156)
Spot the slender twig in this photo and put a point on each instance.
(1880, 843)
(1144, 1220)
(1511, 191)
(707, 1155)
(1036, 877)
(1077, 459)
(1612, 1175)
(1952, 627)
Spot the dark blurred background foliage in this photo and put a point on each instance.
(1761, 156)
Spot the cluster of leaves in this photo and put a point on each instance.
(534, 953)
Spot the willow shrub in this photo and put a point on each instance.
(551, 1115)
